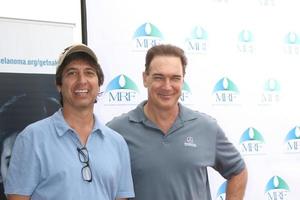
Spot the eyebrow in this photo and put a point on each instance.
(68, 69)
(74, 68)
(158, 74)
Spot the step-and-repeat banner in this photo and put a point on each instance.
(244, 59)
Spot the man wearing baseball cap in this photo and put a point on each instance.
(71, 154)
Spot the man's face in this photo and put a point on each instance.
(79, 87)
(164, 81)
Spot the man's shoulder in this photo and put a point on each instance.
(190, 114)
(124, 118)
(40, 126)
(118, 120)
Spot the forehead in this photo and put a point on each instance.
(166, 65)
(79, 64)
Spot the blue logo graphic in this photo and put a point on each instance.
(185, 94)
(197, 41)
(272, 85)
(225, 91)
(252, 142)
(292, 41)
(271, 92)
(245, 36)
(277, 188)
(146, 36)
(221, 194)
(121, 90)
(292, 140)
(225, 84)
(245, 44)
(292, 38)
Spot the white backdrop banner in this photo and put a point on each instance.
(243, 70)
(31, 46)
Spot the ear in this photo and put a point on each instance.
(145, 76)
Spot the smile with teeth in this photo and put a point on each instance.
(81, 91)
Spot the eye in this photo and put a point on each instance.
(176, 78)
(71, 73)
(90, 73)
(158, 78)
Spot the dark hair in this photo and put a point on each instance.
(165, 50)
(79, 56)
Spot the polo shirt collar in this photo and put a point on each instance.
(185, 114)
(137, 115)
(62, 126)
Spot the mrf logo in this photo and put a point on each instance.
(186, 93)
(121, 90)
(292, 43)
(197, 41)
(225, 92)
(245, 42)
(276, 189)
(292, 140)
(271, 92)
(252, 142)
(146, 36)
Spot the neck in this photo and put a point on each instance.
(163, 118)
(81, 121)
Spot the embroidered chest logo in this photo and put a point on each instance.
(189, 142)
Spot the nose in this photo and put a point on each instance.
(167, 83)
(82, 78)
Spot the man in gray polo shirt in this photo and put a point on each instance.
(170, 145)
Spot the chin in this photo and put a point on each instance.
(167, 105)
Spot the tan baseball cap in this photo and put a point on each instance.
(74, 49)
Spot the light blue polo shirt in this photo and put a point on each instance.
(45, 163)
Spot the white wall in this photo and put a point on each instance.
(66, 11)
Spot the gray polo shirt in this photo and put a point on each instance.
(174, 166)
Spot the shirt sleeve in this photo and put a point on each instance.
(24, 171)
(228, 159)
(125, 189)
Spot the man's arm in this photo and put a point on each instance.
(17, 197)
(236, 186)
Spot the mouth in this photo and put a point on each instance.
(165, 95)
(81, 91)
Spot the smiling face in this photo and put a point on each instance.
(79, 88)
(164, 81)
